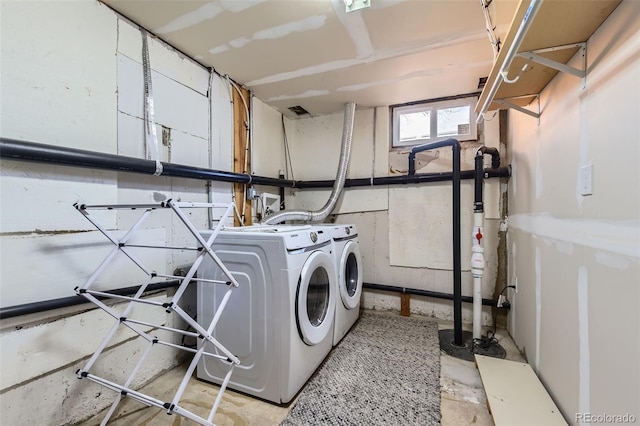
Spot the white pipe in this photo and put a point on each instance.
(477, 271)
(210, 149)
(477, 307)
(532, 10)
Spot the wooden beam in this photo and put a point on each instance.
(405, 304)
(241, 149)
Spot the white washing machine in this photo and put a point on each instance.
(348, 265)
(279, 322)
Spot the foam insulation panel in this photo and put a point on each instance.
(64, 261)
(170, 98)
(35, 346)
(40, 197)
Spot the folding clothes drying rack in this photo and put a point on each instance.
(122, 318)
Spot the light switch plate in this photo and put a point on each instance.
(586, 179)
(353, 5)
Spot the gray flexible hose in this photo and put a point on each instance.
(341, 175)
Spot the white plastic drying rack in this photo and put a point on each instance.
(122, 318)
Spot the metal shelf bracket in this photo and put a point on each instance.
(534, 55)
(506, 103)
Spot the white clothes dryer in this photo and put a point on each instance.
(279, 321)
(348, 265)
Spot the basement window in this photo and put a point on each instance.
(431, 121)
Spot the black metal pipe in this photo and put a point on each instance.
(494, 153)
(479, 174)
(65, 302)
(41, 153)
(478, 205)
(282, 205)
(457, 262)
(404, 179)
(427, 293)
(428, 147)
(12, 149)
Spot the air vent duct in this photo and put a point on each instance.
(299, 110)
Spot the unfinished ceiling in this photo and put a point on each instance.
(314, 54)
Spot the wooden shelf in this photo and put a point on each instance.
(557, 23)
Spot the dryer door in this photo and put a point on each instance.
(315, 298)
(350, 279)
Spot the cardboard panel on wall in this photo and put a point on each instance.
(420, 226)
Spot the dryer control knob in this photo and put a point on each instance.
(313, 236)
(347, 230)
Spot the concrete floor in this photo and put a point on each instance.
(463, 400)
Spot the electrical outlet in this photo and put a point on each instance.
(501, 300)
(586, 179)
(252, 194)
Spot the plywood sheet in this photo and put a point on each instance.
(515, 394)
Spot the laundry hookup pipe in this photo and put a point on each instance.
(341, 175)
(457, 263)
(477, 234)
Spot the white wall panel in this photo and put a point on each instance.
(60, 398)
(221, 138)
(58, 81)
(49, 346)
(170, 99)
(584, 288)
(315, 147)
(268, 141)
(352, 200)
(71, 76)
(188, 149)
(164, 59)
(43, 267)
(40, 197)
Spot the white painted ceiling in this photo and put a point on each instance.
(313, 54)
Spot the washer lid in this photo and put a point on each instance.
(315, 298)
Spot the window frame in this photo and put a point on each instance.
(433, 106)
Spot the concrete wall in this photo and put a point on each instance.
(405, 231)
(72, 76)
(575, 258)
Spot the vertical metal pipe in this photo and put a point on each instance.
(478, 178)
(457, 266)
(457, 263)
(282, 204)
